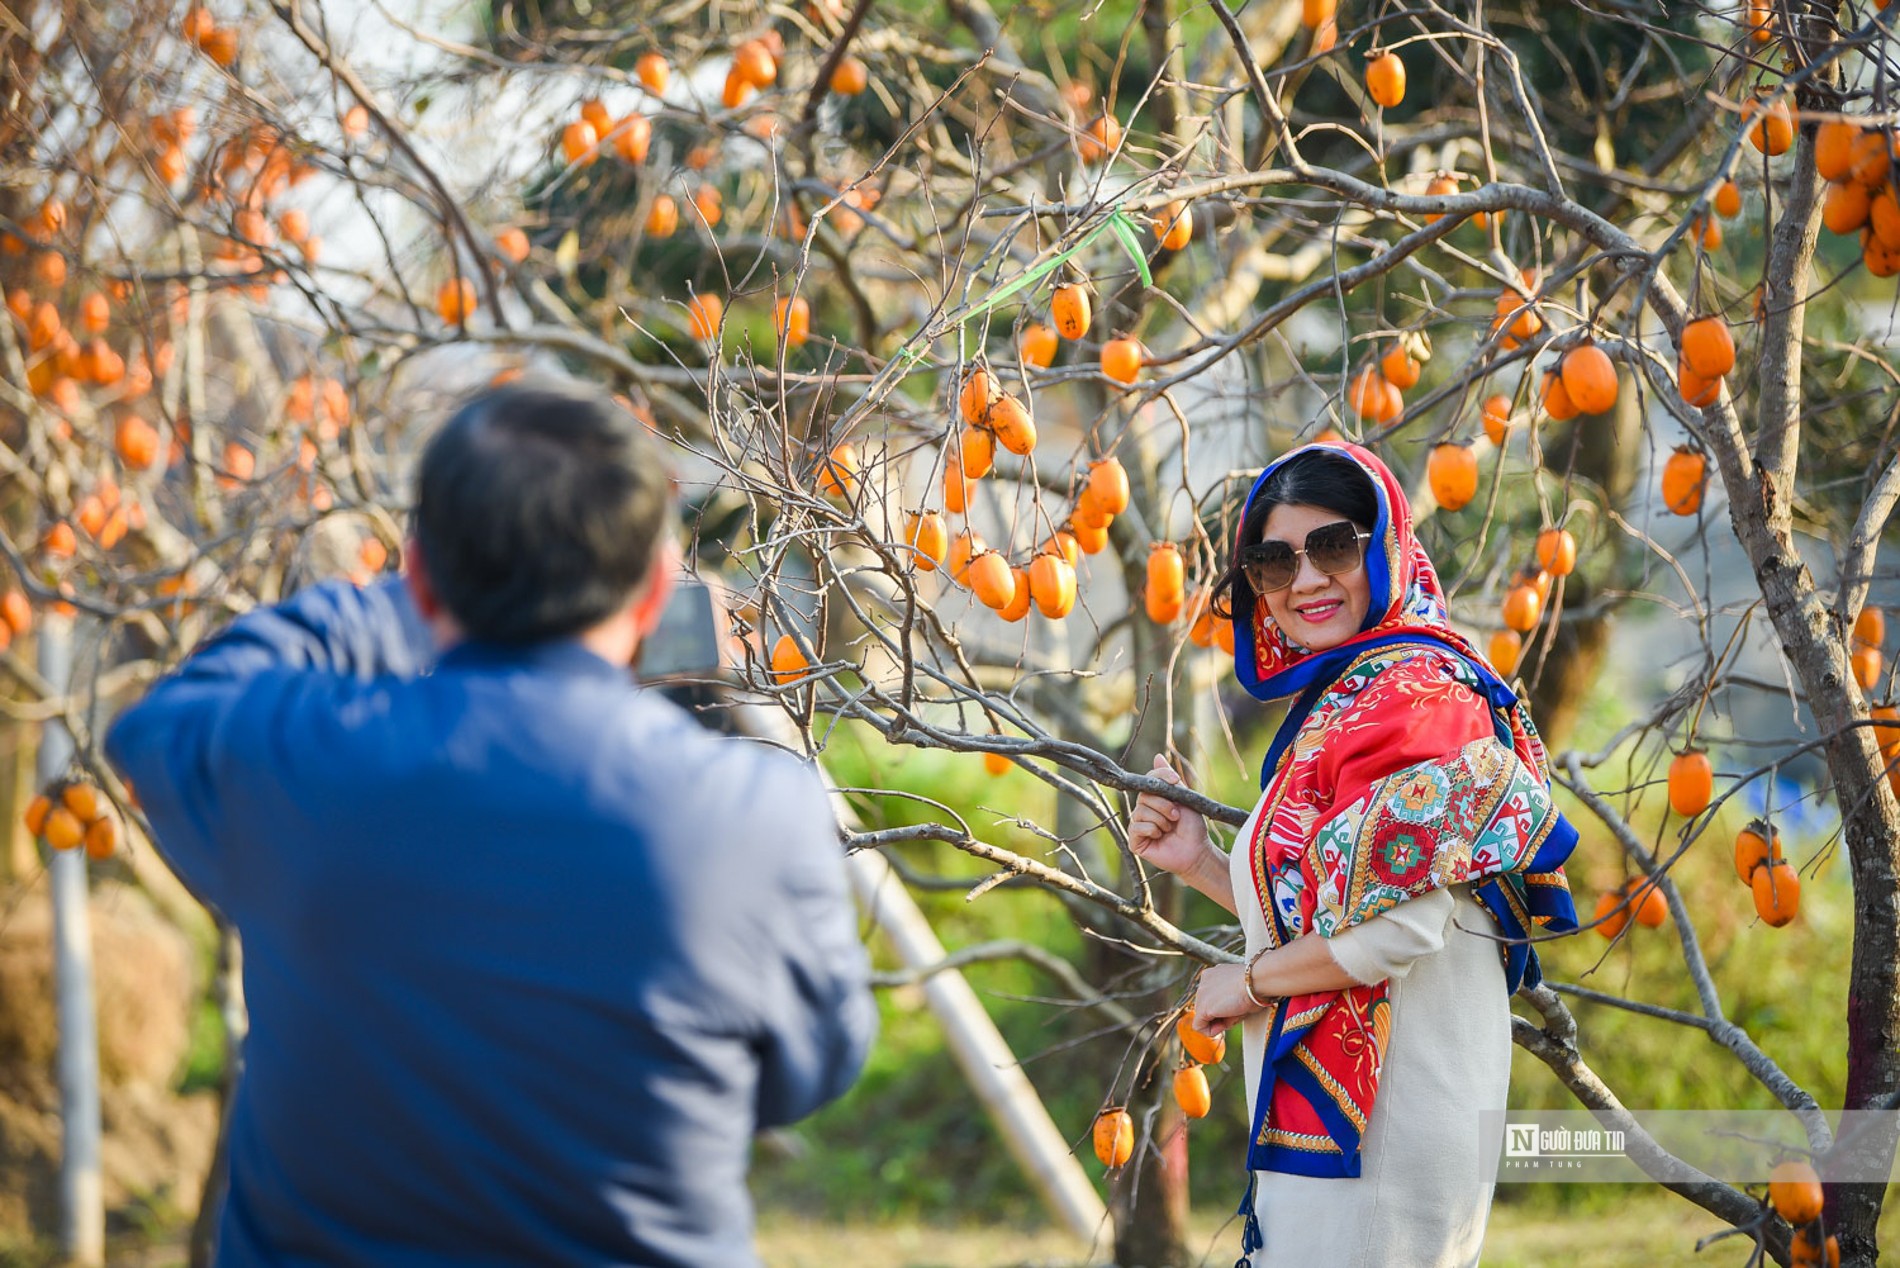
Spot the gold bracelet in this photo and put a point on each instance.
(1246, 979)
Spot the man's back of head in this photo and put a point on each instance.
(540, 511)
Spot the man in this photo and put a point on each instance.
(529, 955)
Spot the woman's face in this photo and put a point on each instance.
(1317, 611)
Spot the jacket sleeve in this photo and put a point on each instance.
(202, 730)
(820, 1015)
(1389, 944)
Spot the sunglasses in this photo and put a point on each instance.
(1334, 549)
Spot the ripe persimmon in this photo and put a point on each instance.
(632, 137)
(753, 62)
(851, 77)
(663, 217)
(703, 313)
(1777, 890)
(964, 547)
(1612, 916)
(1108, 485)
(1439, 187)
(1846, 207)
(1557, 402)
(1648, 905)
(1202, 1047)
(976, 452)
(1100, 138)
(1496, 413)
(1803, 1253)
(957, 489)
(838, 473)
(1190, 1091)
(1505, 648)
(1691, 783)
(1174, 227)
(991, 578)
(928, 537)
(1091, 539)
(1589, 378)
(36, 812)
(16, 612)
(1870, 626)
(1834, 149)
(791, 317)
(1756, 845)
(95, 313)
(1728, 200)
(1682, 479)
(1019, 605)
(1052, 585)
(653, 72)
(1886, 730)
(1114, 1135)
(1707, 347)
(1452, 472)
(1866, 663)
(1557, 552)
(1385, 80)
(220, 44)
(455, 300)
(1037, 345)
(63, 830)
(1794, 1189)
(1773, 130)
(137, 442)
(1166, 575)
(980, 390)
(1122, 360)
(580, 143)
(1522, 607)
(1400, 368)
(1069, 308)
(788, 663)
(102, 837)
(1014, 429)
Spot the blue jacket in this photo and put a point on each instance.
(530, 956)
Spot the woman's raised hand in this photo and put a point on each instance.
(1166, 833)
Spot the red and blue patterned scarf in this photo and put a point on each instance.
(1404, 765)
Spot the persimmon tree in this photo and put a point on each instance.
(969, 328)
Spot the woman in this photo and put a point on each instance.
(1404, 836)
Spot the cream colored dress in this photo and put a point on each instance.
(1420, 1199)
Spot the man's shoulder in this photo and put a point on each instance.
(742, 775)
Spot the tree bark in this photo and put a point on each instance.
(1761, 489)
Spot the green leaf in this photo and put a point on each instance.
(1131, 243)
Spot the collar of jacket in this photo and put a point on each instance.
(564, 656)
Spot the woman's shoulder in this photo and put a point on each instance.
(1420, 674)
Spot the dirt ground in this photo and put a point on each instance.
(1658, 1229)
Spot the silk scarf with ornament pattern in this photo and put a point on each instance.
(1404, 765)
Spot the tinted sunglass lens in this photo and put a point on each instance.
(1333, 549)
(1272, 568)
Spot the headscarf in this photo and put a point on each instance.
(1405, 765)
